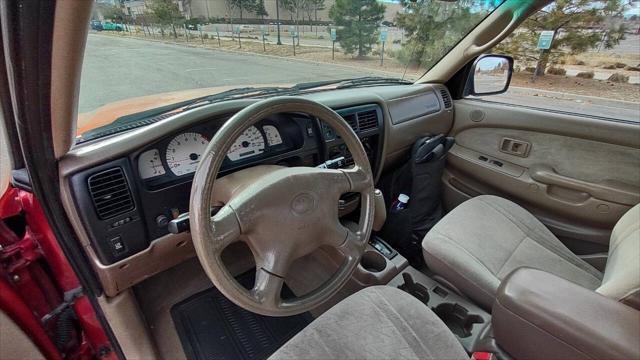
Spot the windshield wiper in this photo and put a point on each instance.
(151, 116)
(143, 118)
(372, 81)
(238, 93)
(353, 82)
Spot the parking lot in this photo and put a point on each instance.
(117, 68)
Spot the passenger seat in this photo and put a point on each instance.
(484, 239)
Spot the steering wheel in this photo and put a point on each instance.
(281, 213)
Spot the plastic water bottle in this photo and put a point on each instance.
(400, 203)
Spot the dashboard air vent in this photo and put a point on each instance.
(352, 121)
(446, 99)
(368, 120)
(110, 193)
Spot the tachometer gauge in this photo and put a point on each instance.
(272, 134)
(184, 152)
(249, 143)
(150, 165)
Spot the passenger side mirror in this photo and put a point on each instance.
(489, 75)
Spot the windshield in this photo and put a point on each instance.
(143, 55)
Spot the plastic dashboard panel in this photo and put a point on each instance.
(393, 140)
(165, 196)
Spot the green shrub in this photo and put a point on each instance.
(556, 71)
(619, 78)
(586, 74)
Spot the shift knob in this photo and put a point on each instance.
(379, 210)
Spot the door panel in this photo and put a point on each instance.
(578, 175)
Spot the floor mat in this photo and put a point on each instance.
(212, 327)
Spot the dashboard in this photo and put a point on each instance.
(132, 199)
(121, 191)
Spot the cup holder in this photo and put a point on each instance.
(415, 289)
(373, 261)
(457, 318)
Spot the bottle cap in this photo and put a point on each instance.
(403, 198)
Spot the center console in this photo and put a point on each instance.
(465, 320)
(381, 264)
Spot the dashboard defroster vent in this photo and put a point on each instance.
(110, 193)
(367, 120)
(446, 98)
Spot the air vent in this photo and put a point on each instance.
(110, 193)
(446, 99)
(352, 121)
(368, 120)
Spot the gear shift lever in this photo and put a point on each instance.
(379, 210)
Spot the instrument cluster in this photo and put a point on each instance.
(179, 155)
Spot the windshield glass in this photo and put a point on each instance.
(145, 55)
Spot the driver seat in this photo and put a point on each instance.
(378, 322)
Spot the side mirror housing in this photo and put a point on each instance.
(489, 75)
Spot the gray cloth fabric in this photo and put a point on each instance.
(379, 322)
(622, 275)
(482, 240)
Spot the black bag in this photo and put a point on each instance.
(420, 178)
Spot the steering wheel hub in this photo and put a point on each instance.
(303, 203)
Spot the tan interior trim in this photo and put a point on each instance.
(486, 35)
(69, 39)
(5, 160)
(14, 342)
(125, 318)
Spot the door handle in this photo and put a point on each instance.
(618, 193)
(515, 147)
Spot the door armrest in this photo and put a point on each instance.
(539, 315)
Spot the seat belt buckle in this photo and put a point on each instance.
(482, 355)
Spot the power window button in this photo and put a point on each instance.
(117, 245)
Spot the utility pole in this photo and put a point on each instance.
(278, 20)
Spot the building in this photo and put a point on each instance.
(219, 9)
(134, 8)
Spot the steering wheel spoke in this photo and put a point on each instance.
(267, 288)
(352, 245)
(226, 228)
(359, 178)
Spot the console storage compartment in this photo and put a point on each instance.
(463, 318)
(534, 307)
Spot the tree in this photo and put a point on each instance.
(295, 7)
(261, 10)
(111, 12)
(578, 25)
(165, 12)
(433, 27)
(357, 22)
(311, 8)
(242, 5)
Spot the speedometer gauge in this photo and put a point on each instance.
(184, 152)
(272, 134)
(249, 143)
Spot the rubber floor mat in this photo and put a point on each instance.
(212, 327)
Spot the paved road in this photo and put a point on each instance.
(120, 68)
